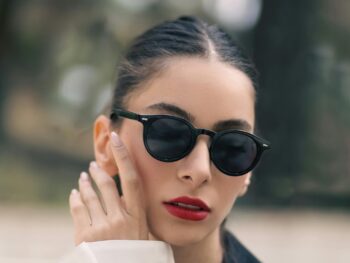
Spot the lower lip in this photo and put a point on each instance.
(187, 214)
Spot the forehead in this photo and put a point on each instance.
(208, 89)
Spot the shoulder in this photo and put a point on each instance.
(235, 251)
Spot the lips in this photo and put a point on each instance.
(187, 208)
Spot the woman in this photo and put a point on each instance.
(180, 138)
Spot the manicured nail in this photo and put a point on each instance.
(84, 176)
(74, 192)
(116, 139)
(93, 164)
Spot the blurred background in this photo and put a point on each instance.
(58, 61)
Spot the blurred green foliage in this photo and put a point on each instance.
(58, 65)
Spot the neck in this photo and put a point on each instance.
(208, 250)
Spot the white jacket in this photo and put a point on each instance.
(121, 251)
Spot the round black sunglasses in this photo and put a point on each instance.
(170, 138)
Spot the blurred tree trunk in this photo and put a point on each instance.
(6, 8)
(282, 51)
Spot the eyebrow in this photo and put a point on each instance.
(237, 124)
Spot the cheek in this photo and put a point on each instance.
(137, 151)
(133, 139)
(151, 171)
(230, 188)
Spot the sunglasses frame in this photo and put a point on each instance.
(147, 120)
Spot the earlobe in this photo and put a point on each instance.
(103, 154)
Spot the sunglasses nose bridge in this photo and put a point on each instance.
(205, 132)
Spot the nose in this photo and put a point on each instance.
(194, 169)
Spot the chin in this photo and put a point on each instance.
(180, 238)
(178, 235)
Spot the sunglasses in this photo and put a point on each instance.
(170, 138)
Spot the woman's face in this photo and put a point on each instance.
(210, 91)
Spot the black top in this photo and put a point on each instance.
(234, 251)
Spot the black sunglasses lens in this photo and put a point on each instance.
(234, 153)
(168, 139)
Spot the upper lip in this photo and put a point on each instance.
(190, 201)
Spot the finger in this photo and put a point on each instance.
(131, 184)
(90, 199)
(107, 188)
(80, 215)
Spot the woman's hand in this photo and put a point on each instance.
(109, 216)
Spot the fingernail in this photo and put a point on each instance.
(74, 192)
(93, 164)
(84, 176)
(116, 139)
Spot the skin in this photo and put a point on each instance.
(210, 91)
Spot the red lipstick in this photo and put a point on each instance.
(187, 208)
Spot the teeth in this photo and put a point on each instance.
(188, 206)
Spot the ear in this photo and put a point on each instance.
(102, 150)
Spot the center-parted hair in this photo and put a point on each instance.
(186, 36)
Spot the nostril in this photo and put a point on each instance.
(187, 177)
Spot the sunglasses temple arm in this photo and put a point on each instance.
(126, 114)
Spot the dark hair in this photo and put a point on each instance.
(185, 36)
